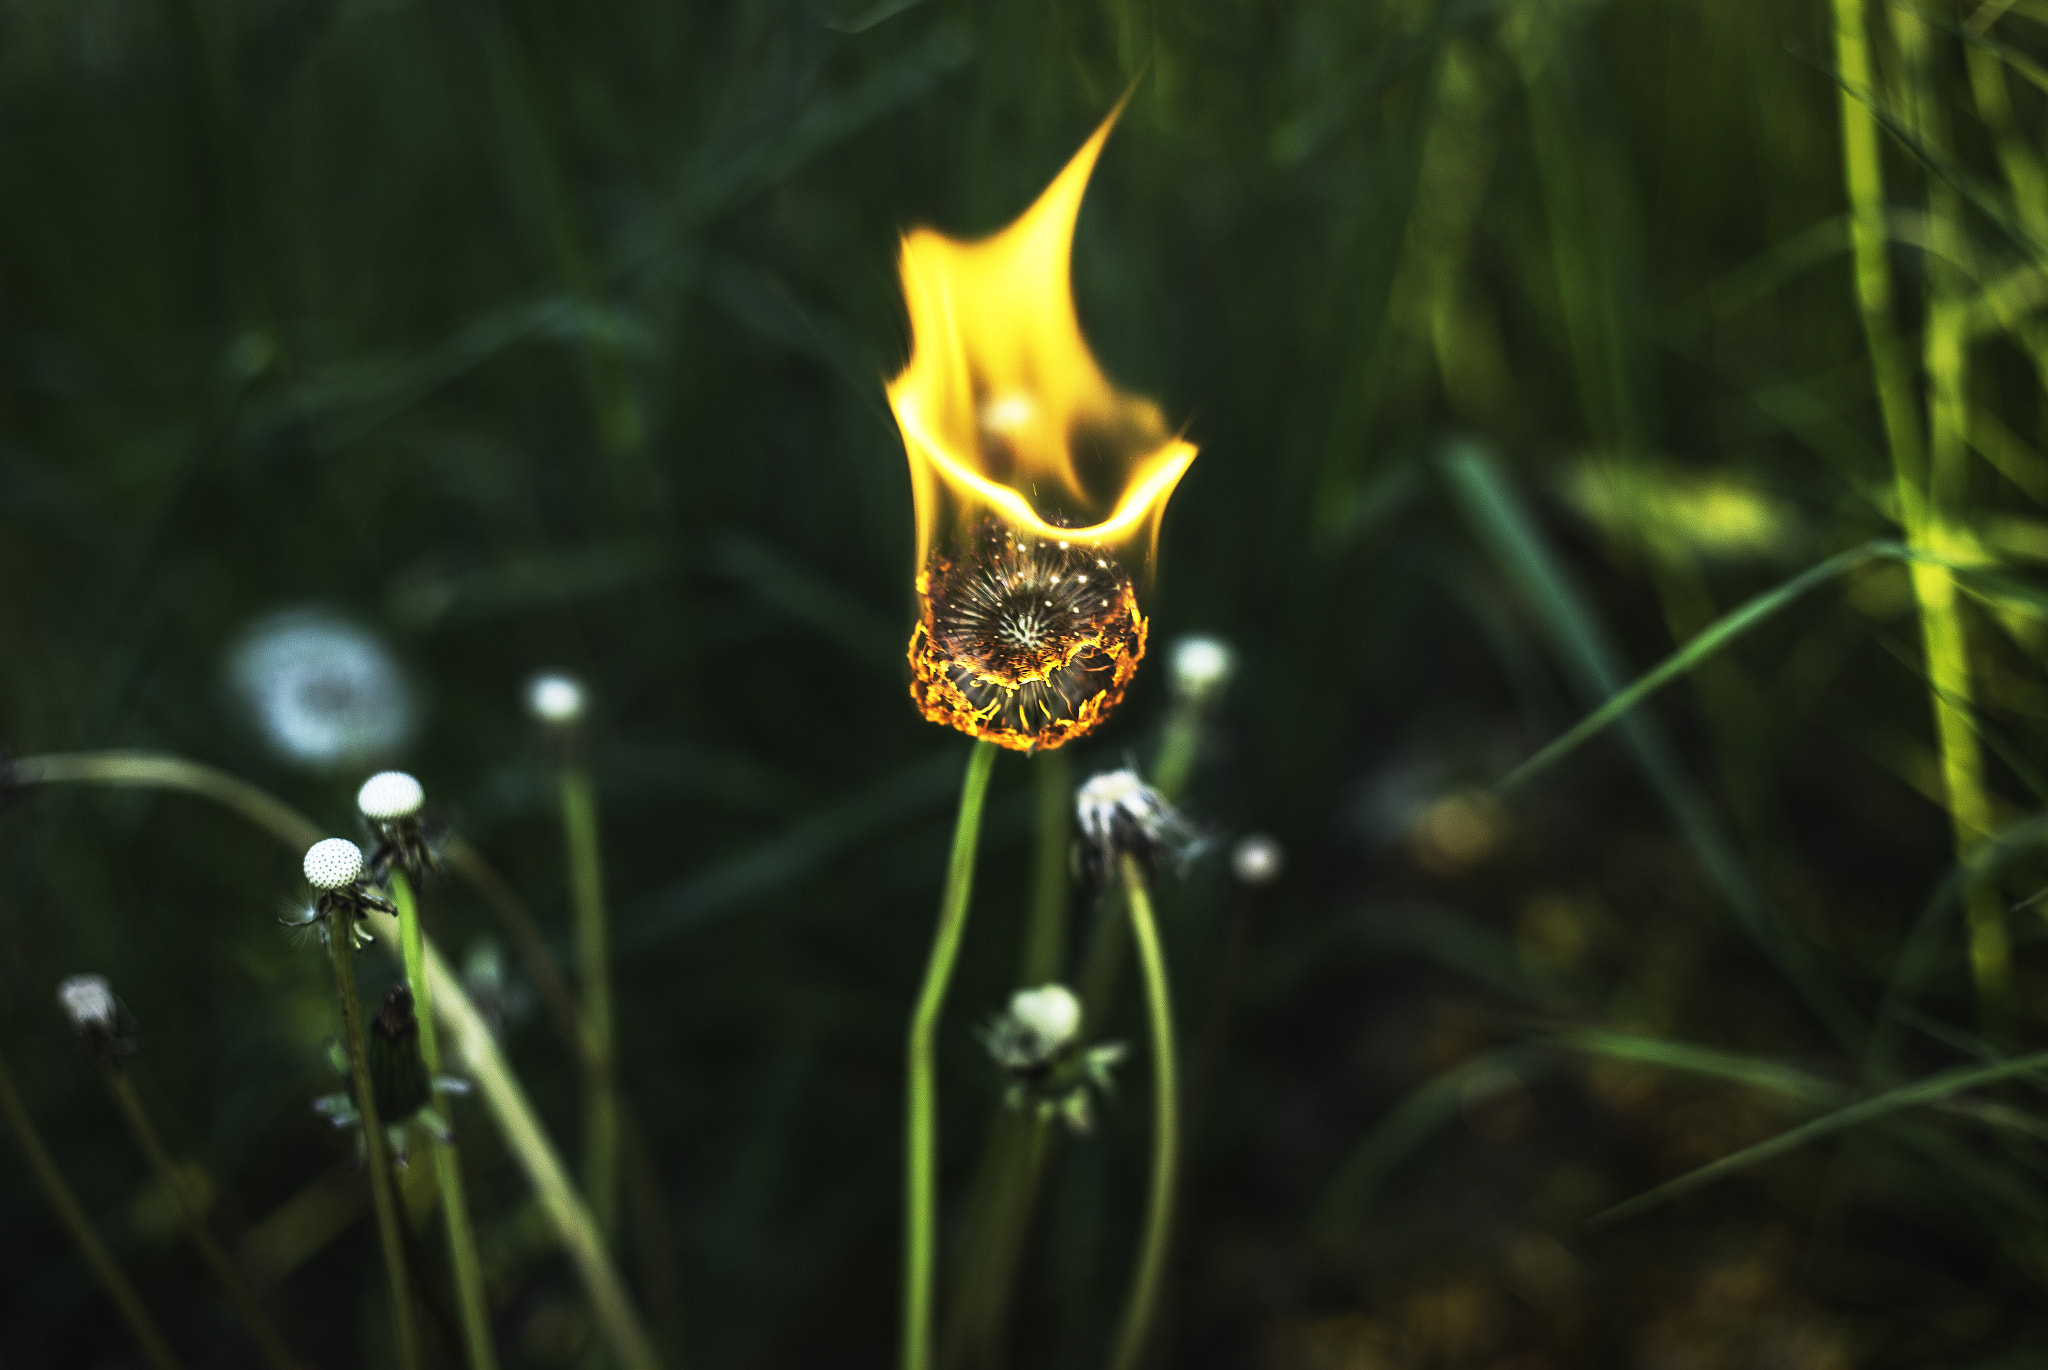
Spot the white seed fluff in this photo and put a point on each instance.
(324, 691)
(1097, 803)
(390, 795)
(1051, 1013)
(333, 863)
(1201, 666)
(555, 698)
(88, 1001)
(1258, 859)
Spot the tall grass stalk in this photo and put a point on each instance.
(469, 1272)
(921, 1122)
(127, 1302)
(1927, 478)
(471, 1036)
(586, 887)
(263, 1333)
(404, 1330)
(1141, 1307)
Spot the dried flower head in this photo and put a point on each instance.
(1026, 641)
(1037, 1042)
(555, 698)
(1200, 668)
(1039, 1024)
(1119, 815)
(391, 803)
(323, 691)
(334, 868)
(102, 1022)
(1258, 859)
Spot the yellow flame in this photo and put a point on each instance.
(1003, 410)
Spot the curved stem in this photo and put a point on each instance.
(921, 1124)
(143, 1327)
(469, 1272)
(472, 1039)
(339, 943)
(269, 1342)
(1151, 1267)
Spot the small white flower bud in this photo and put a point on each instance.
(333, 864)
(1051, 1013)
(88, 1001)
(1258, 859)
(555, 698)
(389, 796)
(1200, 668)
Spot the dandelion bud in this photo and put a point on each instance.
(555, 699)
(398, 1071)
(389, 796)
(1118, 815)
(1257, 860)
(334, 863)
(1200, 668)
(96, 1015)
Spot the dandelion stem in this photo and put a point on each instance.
(469, 1273)
(270, 1344)
(143, 1327)
(472, 1039)
(340, 945)
(1151, 1266)
(586, 887)
(921, 1124)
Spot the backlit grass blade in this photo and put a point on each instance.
(1722, 632)
(1770, 1076)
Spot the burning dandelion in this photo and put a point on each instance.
(1039, 485)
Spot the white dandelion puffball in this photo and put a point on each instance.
(324, 691)
(1258, 859)
(1051, 1013)
(88, 1001)
(333, 863)
(1200, 666)
(389, 796)
(553, 697)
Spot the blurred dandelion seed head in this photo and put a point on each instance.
(88, 1001)
(1257, 859)
(333, 863)
(555, 698)
(324, 692)
(1200, 668)
(1119, 814)
(389, 796)
(1038, 1025)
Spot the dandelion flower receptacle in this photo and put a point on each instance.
(1039, 486)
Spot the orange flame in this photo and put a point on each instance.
(1027, 466)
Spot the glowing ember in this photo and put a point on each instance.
(1039, 485)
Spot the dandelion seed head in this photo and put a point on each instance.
(555, 698)
(88, 1001)
(389, 796)
(1119, 815)
(1200, 667)
(1051, 1012)
(323, 691)
(333, 863)
(1257, 859)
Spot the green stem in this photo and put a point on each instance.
(1045, 932)
(143, 1327)
(921, 1123)
(1151, 1267)
(586, 887)
(339, 942)
(1180, 746)
(270, 1344)
(474, 1046)
(469, 1271)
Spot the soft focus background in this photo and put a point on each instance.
(1521, 341)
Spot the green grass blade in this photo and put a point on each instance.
(1932, 1089)
(1719, 634)
(1769, 1076)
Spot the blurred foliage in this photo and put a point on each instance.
(535, 335)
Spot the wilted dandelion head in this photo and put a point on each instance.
(1200, 667)
(323, 691)
(1025, 640)
(1120, 815)
(555, 698)
(389, 796)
